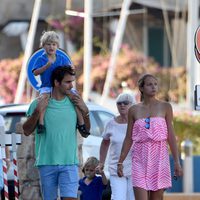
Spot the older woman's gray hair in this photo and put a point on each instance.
(126, 97)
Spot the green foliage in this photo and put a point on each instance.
(130, 65)
(187, 126)
(9, 70)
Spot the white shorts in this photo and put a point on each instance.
(45, 90)
(121, 188)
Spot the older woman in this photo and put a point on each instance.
(113, 137)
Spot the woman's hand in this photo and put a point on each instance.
(120, 169)
(178, 169)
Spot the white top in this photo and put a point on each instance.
(2, 123)
(116, 133)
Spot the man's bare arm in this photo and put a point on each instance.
(78, 101)
(86, 119)
(31, 123)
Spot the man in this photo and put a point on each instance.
(56, 149)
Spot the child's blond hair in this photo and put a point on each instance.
(91, 161)
(49, 36)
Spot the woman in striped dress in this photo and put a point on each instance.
(149, 132)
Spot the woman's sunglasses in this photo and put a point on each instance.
(147, 121)
(123, 102)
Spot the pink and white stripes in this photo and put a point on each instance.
(150, 157)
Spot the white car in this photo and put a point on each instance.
(15, 113)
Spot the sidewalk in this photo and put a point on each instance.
(182, 196)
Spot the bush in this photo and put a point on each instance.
(9, 70)
(187, 126)
(130, 65)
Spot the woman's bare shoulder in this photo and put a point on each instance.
(165, 105)
(135, 106)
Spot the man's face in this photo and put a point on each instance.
(66, 84)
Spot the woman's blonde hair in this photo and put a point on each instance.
(49, 36)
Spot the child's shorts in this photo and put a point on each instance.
(45, 90)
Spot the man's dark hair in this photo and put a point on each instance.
(60, 72)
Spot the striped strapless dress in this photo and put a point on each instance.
(150, 156)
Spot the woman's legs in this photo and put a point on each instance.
(148, 195)
(140, 194)
(156, 195)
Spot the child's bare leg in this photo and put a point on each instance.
(41, 126)
(41, 119)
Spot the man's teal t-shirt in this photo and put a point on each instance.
(58, 145)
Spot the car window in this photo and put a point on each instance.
(11, 119)
(104, 117)
(94, 130)
(98, 121)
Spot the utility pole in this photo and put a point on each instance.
(88, 27)
(116, 46)
(28, 51)
(193, 67)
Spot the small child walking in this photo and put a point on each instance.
(91, 186)
(44, 66)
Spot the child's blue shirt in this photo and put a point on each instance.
(93, 191)
(46, 75)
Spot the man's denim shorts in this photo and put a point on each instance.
(63, 178)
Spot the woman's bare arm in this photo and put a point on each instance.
(127, 142)
(172, 140)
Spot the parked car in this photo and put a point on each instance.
(15, 113)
